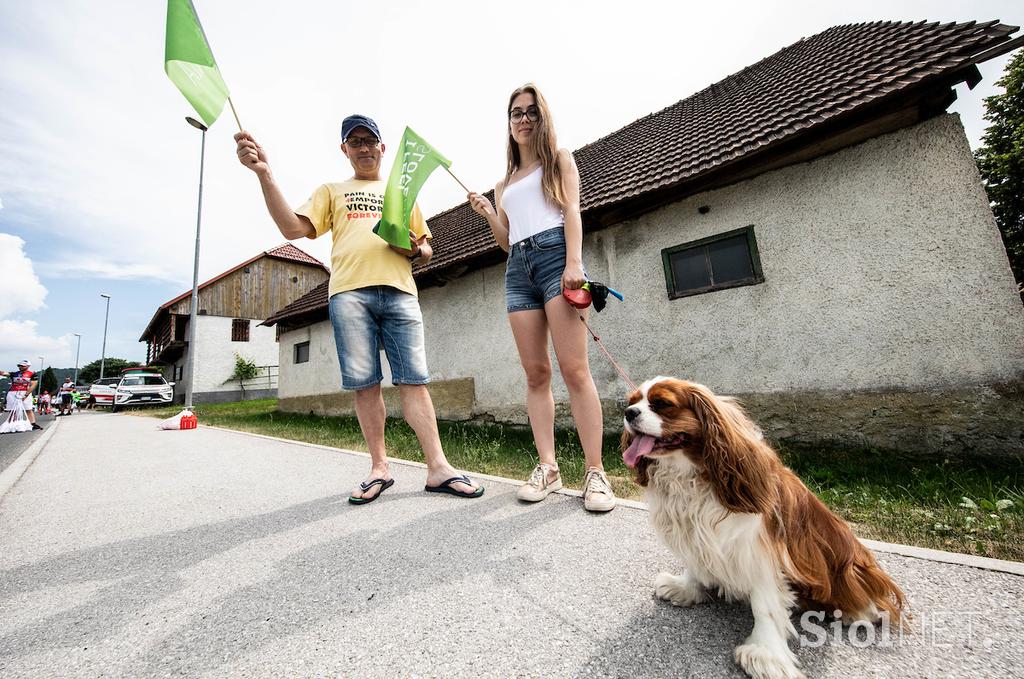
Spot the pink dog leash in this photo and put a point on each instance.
(597, 339)
(580, 299)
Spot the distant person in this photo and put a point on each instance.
(65, 393)
(23, 383)
(373, 300)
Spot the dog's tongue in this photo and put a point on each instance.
(640, 446)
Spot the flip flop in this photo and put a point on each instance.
(446, 487)
(384, 485)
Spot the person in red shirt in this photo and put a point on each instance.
(23, 383)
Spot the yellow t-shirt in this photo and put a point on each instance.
(359, 257)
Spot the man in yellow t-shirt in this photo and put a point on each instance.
(372, 300)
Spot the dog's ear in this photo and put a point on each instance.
(626, 439)
(737, 463)
(642, 471)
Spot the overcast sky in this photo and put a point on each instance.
(98, 170)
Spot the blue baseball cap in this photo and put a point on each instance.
(354, 121)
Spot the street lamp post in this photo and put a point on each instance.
(78, 349)
(193, 312)
(106, 317)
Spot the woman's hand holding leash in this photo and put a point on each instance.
(573, 277)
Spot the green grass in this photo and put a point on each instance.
(973, 506)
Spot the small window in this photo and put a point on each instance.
(240, 330)
(727, 260)
(302, 352)
(178, 372)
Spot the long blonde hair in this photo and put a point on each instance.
(544, 144)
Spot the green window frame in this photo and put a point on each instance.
(690, 268)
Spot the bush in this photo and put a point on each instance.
(244, 369)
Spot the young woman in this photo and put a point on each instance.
(536, 219)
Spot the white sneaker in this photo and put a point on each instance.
(539, 486)
(597, 492)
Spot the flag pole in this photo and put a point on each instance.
(453, 176)
(235, 113)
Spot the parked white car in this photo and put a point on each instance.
(103, 390)
(142, 386)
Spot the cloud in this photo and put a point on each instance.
(22, 289)
(110, 270)
(24, 293)
(21, 339)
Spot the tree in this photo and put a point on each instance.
(244, 370)
(49, 382)
(111, 368)
(1001, 162)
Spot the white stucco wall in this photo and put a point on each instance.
(321, 374)
(215, 360)
(883, 270)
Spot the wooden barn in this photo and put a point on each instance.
(231, 307)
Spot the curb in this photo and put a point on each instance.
(925, 554)
(922, 553)
(14, 471)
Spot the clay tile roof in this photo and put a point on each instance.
(289, 251)
(809, 84)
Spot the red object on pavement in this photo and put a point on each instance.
(189, 421)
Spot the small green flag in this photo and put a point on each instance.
(414, 162)
(189, 62)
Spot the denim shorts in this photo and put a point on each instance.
(533, 271)
(364, 319)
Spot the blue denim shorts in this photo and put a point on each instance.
(364, 319)
(533, 271)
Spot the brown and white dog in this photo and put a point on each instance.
(743, 524)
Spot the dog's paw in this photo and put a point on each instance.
(761, 663)
(678, 590)
(869, 615)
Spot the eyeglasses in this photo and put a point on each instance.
(532, 114)
(360, 142)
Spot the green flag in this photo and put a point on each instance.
(189, 62)
(414, 162)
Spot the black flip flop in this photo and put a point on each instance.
(446, 487)
(384, 485)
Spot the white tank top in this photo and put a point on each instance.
(528, 209)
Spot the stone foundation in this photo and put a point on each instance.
(453, 401)
(228, 396)
(980, 420)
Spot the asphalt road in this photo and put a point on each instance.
(12, 445)
(210, 553)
